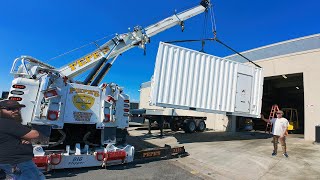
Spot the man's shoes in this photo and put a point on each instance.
(286, 155)
(274, 153)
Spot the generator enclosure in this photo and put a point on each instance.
(192, 80)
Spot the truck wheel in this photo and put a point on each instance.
(201, 126)
(174, 126)
(189, 126)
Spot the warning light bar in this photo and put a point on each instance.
(17, 86)
(15, 98)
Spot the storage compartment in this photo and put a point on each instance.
(188, 79)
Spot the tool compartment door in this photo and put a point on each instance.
(83, 104)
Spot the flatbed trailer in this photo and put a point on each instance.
(176, 118)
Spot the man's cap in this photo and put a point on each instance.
(10, 104)
(280, 112)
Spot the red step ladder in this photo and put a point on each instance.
(273, 111)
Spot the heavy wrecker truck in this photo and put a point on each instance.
(84, 124)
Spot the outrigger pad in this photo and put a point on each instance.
(161, 152)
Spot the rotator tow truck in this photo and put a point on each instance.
(85, 124)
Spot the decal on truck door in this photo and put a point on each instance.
(82, 116)
(83, 102)
(84, 91)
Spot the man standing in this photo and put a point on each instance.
(16, 152)
(279, 131)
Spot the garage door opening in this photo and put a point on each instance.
(288, 93)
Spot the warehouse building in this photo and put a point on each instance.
(291, 70)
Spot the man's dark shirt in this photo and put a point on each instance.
(12, 151)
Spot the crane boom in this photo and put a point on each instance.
(123, 42)
(173, 20)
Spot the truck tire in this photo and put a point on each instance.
(174, 126)
(189, 126)
(201, 126)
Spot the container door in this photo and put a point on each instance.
(243, 93)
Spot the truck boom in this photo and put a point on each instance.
(123, 42)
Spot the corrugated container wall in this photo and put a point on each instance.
(188, 79)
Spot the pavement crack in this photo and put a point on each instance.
(270, 169)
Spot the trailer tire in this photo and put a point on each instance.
(174, 126)
(189, 126)
(201, 126)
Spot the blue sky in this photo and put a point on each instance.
(45, 29)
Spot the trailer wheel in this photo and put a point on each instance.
(189, 126)
(201, 126)
(174, 126)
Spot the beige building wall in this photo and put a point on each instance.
(308, 63)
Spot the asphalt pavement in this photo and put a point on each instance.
(163, 169)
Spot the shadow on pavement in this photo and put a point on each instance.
(207, 136)
(68, 173)
(219, 136)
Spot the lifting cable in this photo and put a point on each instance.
(217, 40)
(94, 42)
(204, 30)
(213, 22)
(214, 31)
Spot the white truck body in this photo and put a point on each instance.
(191, 80)
(70, 103)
